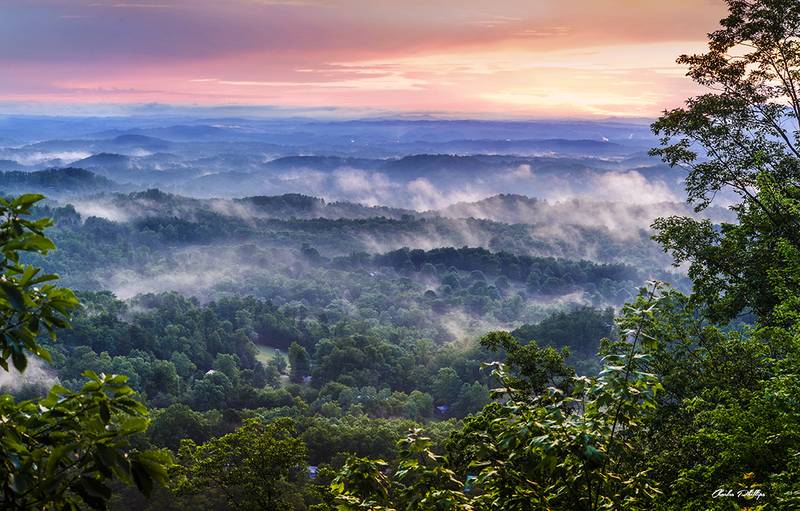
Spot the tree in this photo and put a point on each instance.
(561, 449)
(62, 451)
(28, 305)
(725, 418)
(446, 386)
(228, 365)
(164, 379)
(421, 481)
(532, 368)
(299, 362)
(741, 139)
(258, 466)
(279, 363)
(210, 392)
(471, 399)
(419, 405)
(176, 422)
(581, 329)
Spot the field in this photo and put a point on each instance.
(266, 353)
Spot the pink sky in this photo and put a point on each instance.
(537, 58)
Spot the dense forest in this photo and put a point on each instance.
(164, 352)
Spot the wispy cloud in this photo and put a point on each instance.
(390, 81)
(549, 57)
(131, 5)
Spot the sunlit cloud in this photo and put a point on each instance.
(392, 81)
(544, 58)
(131, 5)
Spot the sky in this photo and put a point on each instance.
(496, 58)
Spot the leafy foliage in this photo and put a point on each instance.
(741, 139)
(257, 466)
(29, 305)
(692, 394)
(62, 451)
(556, 448)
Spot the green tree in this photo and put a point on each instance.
(532, 368)
(279, 363)
(164, 379)
(419, 405)
(421, 480)
(62, 451)
(446, 385)
(258, 466)
(471, 399)
(559, 449)
(740, 139)
(299, 362)
(176, 422)
(725, 419)
(228, 365)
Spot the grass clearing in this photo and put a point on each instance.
(266, 353)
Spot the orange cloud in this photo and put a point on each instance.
(521, 57)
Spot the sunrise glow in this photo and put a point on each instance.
(531, 58)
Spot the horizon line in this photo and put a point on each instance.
(270, 112)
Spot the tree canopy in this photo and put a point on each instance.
(61, 451)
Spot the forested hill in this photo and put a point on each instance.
(57, 182)
(507, 208)
(142, 234)
(294, 314)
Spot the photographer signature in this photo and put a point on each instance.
(752, 493)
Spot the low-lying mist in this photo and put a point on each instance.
(274, 209)
(351, 290)
(36, 376)
(446, 186)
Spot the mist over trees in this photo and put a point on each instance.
(686, 406)
(392, 314)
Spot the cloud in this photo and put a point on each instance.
(304, 179)
(542, 59)
(131, 5)
(631, 187)
(37, 157)
(88, 208)
(370, 188)
(424, 195)
(384, 81)
(521, 172)
(36, 373)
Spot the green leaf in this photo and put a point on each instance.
(107, 455)
(19, 482)
(142, 478)
(27, 200)
(13, 295)
(55, 457)
(105, 413)
(20, 361)
(95, 488)
(38, 243)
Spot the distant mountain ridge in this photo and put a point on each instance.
(504, 208)
(57, 182)
(515, 208)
